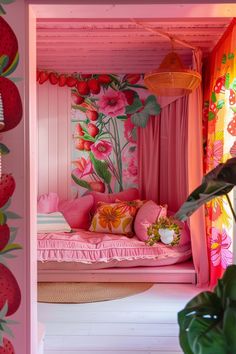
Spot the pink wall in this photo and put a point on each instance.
(54, 139)
(16, 163)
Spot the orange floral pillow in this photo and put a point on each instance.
(115, 218)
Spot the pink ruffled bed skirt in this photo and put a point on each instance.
(89, 248)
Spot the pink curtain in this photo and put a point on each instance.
(170, 163)
(195, 174)
(162, 150)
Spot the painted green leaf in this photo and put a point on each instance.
(132, 148)
(211, 115)
(4, 60)
(152, 107)
(4, 149)
(122, 117)
(224, 58)
(11, 247)
(7, 1)
(137, 86)
(213, 97)
(220, 104)
(227, 81)
(231, 56)
(2, 11)
(81, 182)
(6, 206)
(12, 215)
(137, 104)
(12, 67)
(233, 109)
(101, 169)
(233, 85)
(2, 218)
(88, 137)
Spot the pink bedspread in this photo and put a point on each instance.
(90, 247)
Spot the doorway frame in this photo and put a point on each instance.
(214, 9)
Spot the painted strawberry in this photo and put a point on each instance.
(213, 107)
(79, 144)
(53, 78)
(8, 46)
(94, 86)
(79, 129)
(83, 88)
(93, 130)
(11, 104)
(43, 77)
(86, 76)
(232, 97)
(97, 186)
(220, 85)
(87, 145)
(71, 81)
(132, 78)
(92, 115)
(7, 187)
(77, 99)
(232, 126)
(7, 347)
(4, 236)
(62, 80)
(233, 149)
(104, 79)
(129, 94)
(9, 290)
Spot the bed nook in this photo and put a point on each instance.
(118, 153)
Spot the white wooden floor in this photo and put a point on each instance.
(139, 324)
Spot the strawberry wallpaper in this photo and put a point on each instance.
(10, 116)
(106, 111)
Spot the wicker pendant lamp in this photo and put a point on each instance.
(172, 78)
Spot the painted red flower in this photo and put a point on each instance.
(101, 149)
(112, 103)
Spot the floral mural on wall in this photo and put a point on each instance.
(106, 111)
(10, 116)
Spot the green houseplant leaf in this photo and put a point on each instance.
(208, 321)
(220, 181)
(81, 182)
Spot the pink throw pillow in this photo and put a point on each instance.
(146, 216)
(126, 195)
(184, 229)
(48, 203)
(77, 211)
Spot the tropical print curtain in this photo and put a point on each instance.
(219, 130)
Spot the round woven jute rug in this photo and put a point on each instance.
(77, 293)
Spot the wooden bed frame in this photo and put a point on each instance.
(177, 273)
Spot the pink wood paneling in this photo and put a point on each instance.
(54, 140)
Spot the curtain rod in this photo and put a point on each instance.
(165, 34)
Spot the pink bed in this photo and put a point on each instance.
(89, 250)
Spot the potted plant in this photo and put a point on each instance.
(208, 321)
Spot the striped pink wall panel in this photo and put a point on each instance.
(54, 140)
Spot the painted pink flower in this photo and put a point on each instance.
(215, 152)
(131, 173)
(101, 149)
(112, 103)
(220, 253)
(129, 126)
(83, 167)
